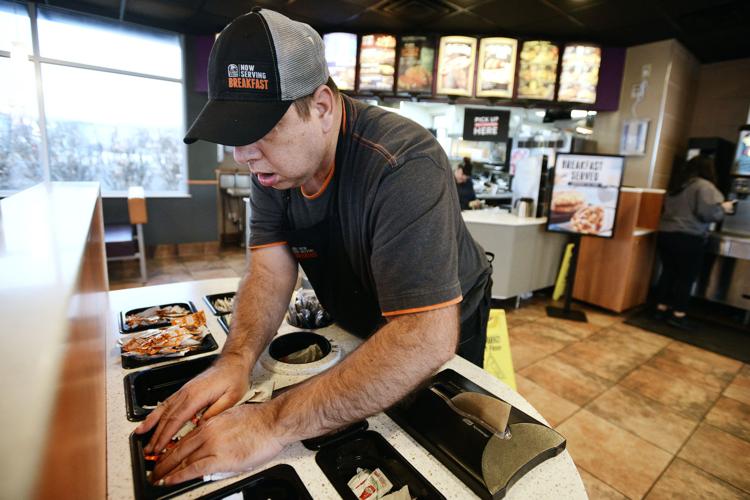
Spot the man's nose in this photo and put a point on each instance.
(248, 153)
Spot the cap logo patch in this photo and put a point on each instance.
(246, 76)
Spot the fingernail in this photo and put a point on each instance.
(161, 482)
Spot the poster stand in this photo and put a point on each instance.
(566, 312)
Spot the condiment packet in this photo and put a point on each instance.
(218, 476)
(368, 485)
(259, 392)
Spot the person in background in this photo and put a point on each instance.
(692, 203)
(466, 196)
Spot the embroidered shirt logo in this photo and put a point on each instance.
(246, 76)
(304, 253)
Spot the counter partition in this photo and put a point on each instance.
(53, 310)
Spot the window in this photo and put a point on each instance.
(109, 105)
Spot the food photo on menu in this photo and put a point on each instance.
(377, 62)
(415, 65)
(456, 60)
(537, 73)
(497, 67)
(585, 194)
(580, 73)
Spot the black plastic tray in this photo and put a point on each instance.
(223, 322)
(210, 299)
(319, 442)
(209, 344)
(369, 450)
(124, 327)
(148, 387)
(280, 482)
(142, 487)
(449, 439)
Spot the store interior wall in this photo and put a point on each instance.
(188, 219)
(722, 99)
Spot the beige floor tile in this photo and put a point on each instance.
(602, 318)
(566, 380)
(527, 313)
(163, 279)
(530, 342)
(684, 481)
(731, 416)
(599, 490)
(554, 408)
(643, 417)
(641, 334)
(721, 454)
(739, 389)
(222, 272)
(683, 396)
(610, 354)
(122, 285)
(577, 329)
(698, 369)
(624, 461)
(203, 262)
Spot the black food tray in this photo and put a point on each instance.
(142, 487)
(280, 482)
(210, 299)
(148, 387)
(223, 322)
(208, 345)
(449, 439)
(124, 327)
(369, 450)
(316, 443)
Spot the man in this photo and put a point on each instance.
(363, 199)
(467, 198)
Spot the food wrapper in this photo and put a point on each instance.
(402, 494)
(154, 315)
(185, 334)
(307, 355)
(368, 485)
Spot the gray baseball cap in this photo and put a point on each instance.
(260, 63)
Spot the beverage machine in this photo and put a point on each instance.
(726, 273)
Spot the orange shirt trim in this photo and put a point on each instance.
(425, 308)
(333, 165)
(274, 244)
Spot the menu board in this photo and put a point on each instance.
(341, 56)
(537, 71)
(585, 194)
(742, 160)
(497, 67)
(456, 59)
(580, 73)
(377, 62)
(416, 62)
(486, 125)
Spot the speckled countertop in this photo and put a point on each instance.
(554, 479)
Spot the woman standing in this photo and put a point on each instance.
(693, 202)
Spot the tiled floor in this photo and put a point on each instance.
(644, 416)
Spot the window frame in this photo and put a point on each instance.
(37, 60)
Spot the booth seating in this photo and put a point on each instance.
(125, 241)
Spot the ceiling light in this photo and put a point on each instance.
(577, 114)
(584, 130)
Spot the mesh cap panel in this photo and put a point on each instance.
(300, 55)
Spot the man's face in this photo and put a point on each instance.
(288, 155)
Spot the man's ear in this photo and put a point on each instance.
(323, 106)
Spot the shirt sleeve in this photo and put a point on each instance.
(414, 239)
(266, 216)
(708, 203)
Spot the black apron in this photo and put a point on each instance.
(320, 251)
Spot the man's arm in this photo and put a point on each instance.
(402, 354)
(261, 302)
(258, 311)
(388, 366)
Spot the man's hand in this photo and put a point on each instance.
(217, 388)
(235, 441)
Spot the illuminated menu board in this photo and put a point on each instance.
(415, 64)
(537, 72)
(580, 73)
(497, 67)
(377, 62)
(456, 59)
(341, 56)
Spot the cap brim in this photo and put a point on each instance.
(235, 123)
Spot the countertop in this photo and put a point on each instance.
(43, 232)
(500, 217)
(554, 479)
